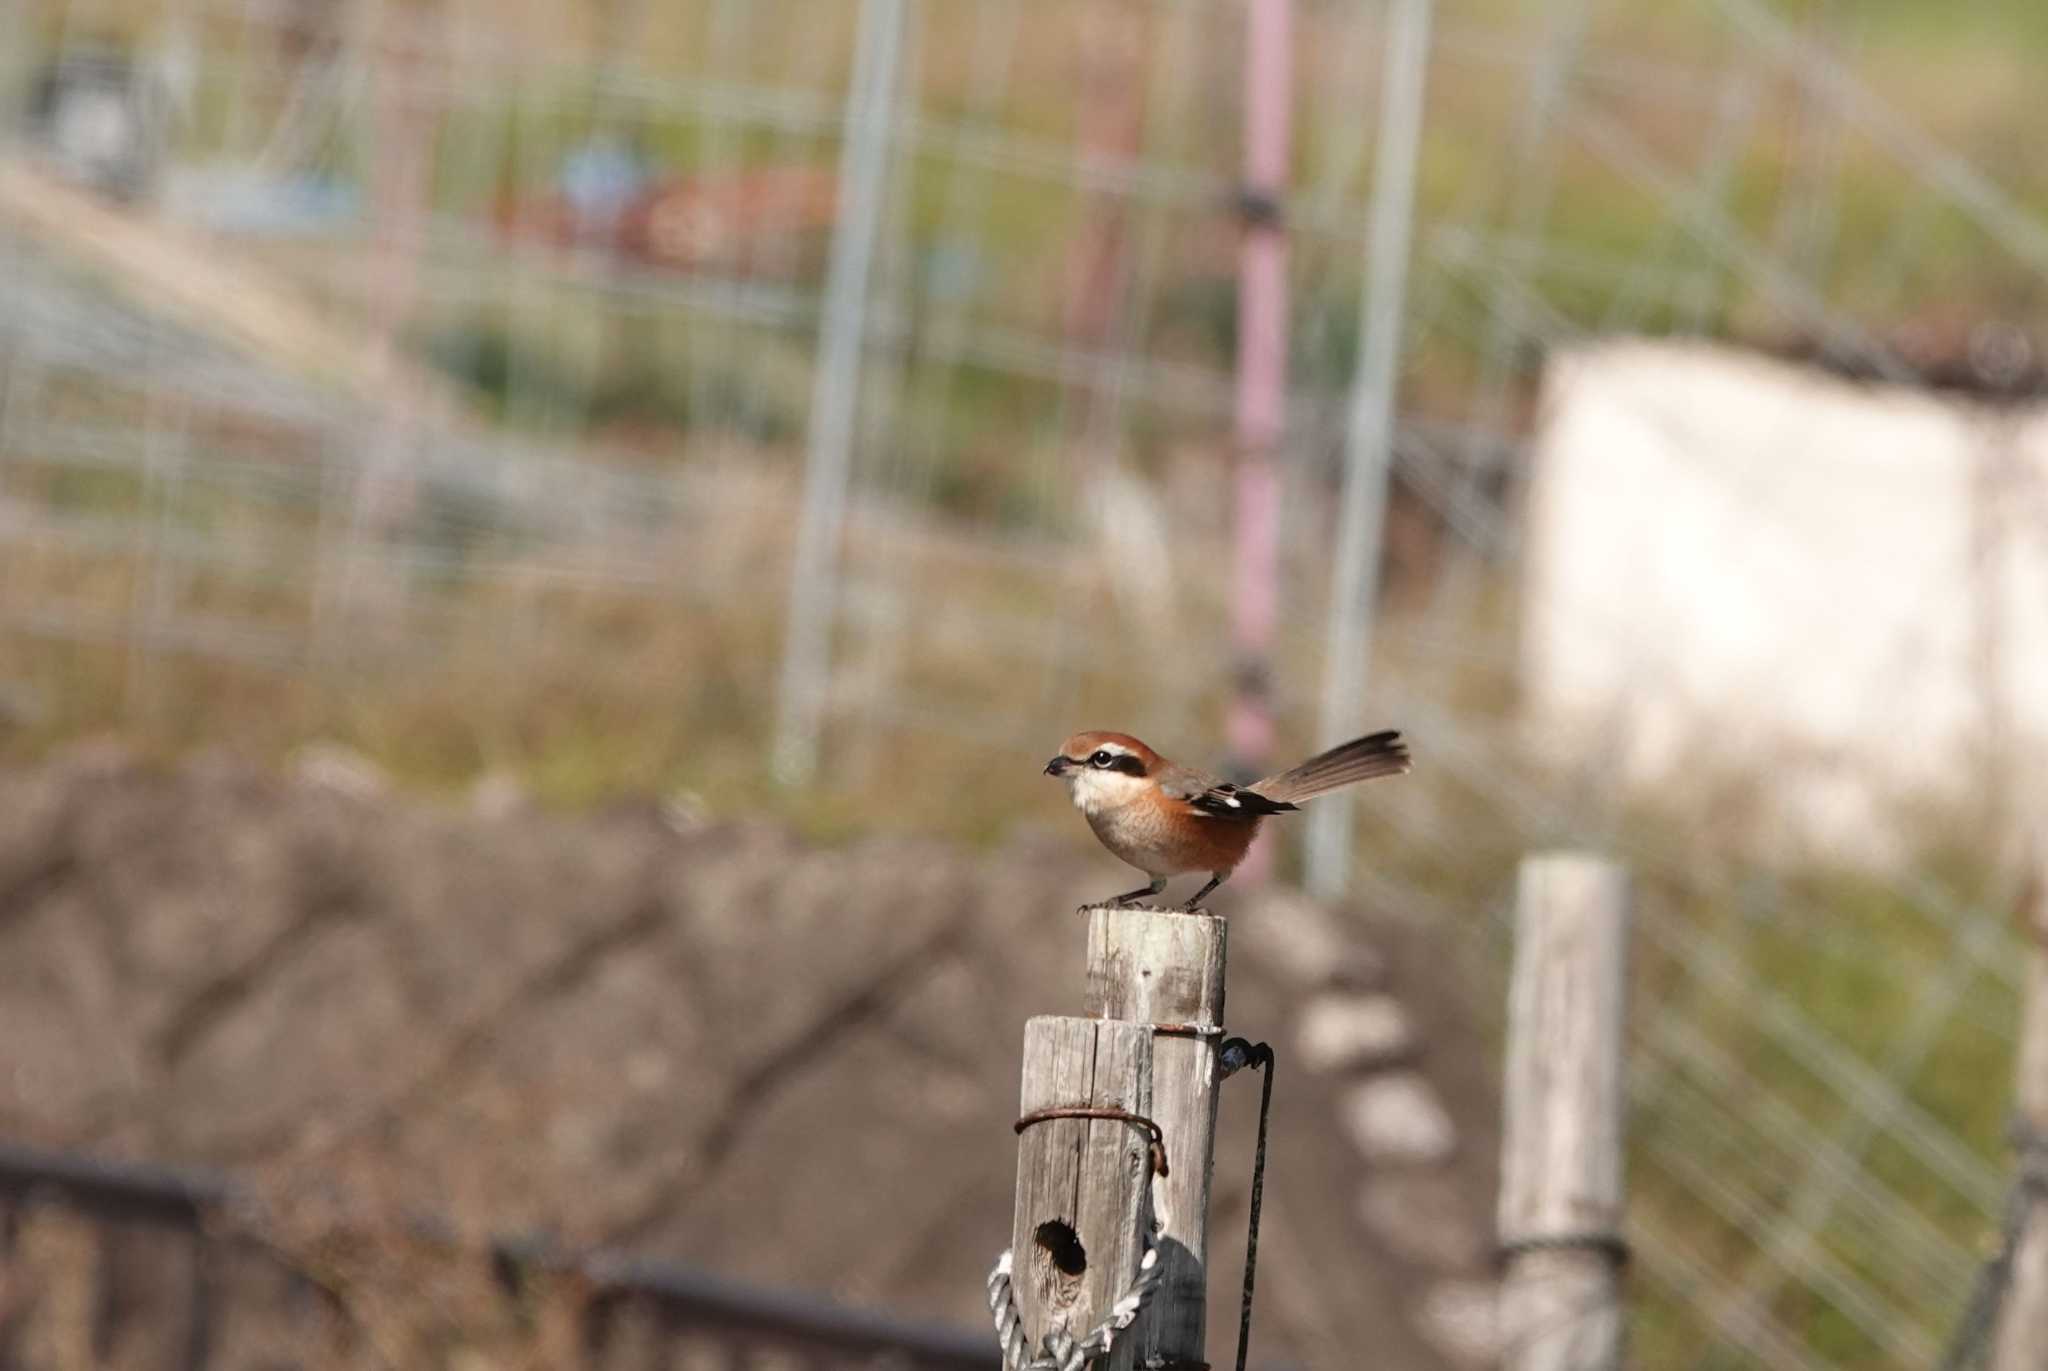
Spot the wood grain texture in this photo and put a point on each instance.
(1085, 1176)
(1152, 967)
(1561, 1150)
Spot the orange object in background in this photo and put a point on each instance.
(743, 221)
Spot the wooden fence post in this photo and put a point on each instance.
(1165, 970)
(2022, 1336)
(1155, 1000)
(1561, 1149)
(1074, 1241)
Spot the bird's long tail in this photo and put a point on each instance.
(1361, 759)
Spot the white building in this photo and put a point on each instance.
(1737, 564)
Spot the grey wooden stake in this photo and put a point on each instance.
(2022, 1337)
(1165, 970)
(1561, 1150)
(1075, 1241)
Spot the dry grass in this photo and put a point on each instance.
(586, 689)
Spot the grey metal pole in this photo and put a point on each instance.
(1368, 439)
(1261, 388)
(835, 392)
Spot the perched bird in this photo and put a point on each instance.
(1167, 819)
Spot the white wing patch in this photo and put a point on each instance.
(1225, 801)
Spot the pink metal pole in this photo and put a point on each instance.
(1261, 383)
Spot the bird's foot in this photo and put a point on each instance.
(1194, 904)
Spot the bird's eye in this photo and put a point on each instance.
(1099, 759)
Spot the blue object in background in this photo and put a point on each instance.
(600, 180)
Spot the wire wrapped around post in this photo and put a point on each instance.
(1059, 1350)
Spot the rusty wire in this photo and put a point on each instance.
(1608, 1244)
(1155, 1135)
(1059, 1351)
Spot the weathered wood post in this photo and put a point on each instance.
(2022, 1337)
(1074, 1240)
(1561, 1150)
(1155, 1005)
(1166, 970)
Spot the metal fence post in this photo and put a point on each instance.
(835, 392)
(1261, 384)
(1368, 442)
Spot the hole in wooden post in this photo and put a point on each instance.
(1063, 1245)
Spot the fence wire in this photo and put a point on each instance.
(907, 328)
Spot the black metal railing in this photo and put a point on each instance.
(675, 1302)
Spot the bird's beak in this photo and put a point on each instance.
(1057, 766)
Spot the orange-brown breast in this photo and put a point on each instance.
(1165, 837)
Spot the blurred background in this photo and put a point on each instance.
(543, 547)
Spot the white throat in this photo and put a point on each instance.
(1095, 791)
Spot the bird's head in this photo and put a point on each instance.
(1103, 770)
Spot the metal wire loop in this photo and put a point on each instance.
(1058, 1350)
(1610, 1245)
(1153, 1132)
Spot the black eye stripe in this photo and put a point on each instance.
(1129, 765)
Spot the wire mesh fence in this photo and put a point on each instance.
(865, 377)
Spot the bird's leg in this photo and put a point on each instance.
(1158, 884)
(1216, 878)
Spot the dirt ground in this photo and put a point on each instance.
(703, 1041)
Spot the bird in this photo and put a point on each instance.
(1166, 819)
